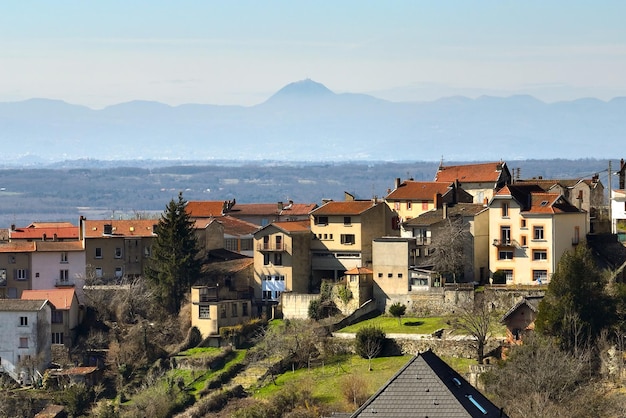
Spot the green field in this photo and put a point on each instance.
(408, 325)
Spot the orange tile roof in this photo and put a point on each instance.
(204, 209)
(17, 247)
(61, 298)
(355, 207)
(237, 227)
(45, 246)
(38, 232)
(471, 173)
(294, 226)
(121, 228)
(534, 200)
(419, 190)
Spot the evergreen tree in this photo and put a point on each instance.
(174, 264)
(576, 307)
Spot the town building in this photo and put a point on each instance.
(529, 231)
(209, 312)
(25, 338)
(480, 180)
(65, 313)
(15, 268)
(59, 264)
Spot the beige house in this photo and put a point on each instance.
(342, 236)
(115, 249)
(529, 231)
(209, 312)
(15, 268)
(282, 259)
(480, 180)
(65, 313)
(410, 198)
(393, 269)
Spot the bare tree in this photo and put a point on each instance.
(449, 244)
(477, 321)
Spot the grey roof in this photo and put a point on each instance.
(435, 216)
(20, 305)
(427, 387)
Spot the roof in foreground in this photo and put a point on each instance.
(20, 305)
(472, 173)
(427, 387)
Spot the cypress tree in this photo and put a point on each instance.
(174, 265)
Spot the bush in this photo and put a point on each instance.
(369, 341)
(499, 277)
(397, 310)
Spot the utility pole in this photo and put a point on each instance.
(613, 227)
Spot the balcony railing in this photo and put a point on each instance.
(64, 283)
(422, 240)
(268, 246)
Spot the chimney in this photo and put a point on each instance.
(622, 174)
(580, 199)
(437, 200)
(43, 238)
(485, 202)
(455, 196)
(398, 180)
(12, 227)
(280, 206)
(445, 211)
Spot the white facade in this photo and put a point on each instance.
(59, 268)
(25, 337)
(618, 208)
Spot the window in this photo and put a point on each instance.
(278, 259)
(233, 308)
(390, 275)
(540, 275)
(409, 205)
(321, 220)
(523, 223)
(64, 276)
(424, 204)
(505, 210)
(23, 321)
(267, 294)
(505, 235)
(380, 275)
(576, 238)
(21, 274)
(277, 294)
(118, 272)
(57, 338)
(118, 252)
(508, 274)
(64, 257)
(98, 252)
(347, 220)
(524, 240)
(540, 255)
(98, 272)
(279, 242)
(538, 232)
(266, 259)
(244, 309)
(11, 259)
(347, 239)
(57, 316)
(505, 255)
(23, 342)
(3, 277)
(204, 312)
(399, 275)
(396, 205)
(223, 310)
(147, 251)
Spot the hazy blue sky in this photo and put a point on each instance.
(240, 52)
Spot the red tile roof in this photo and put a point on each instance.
(50, 246)
(204, 209)
(294, 226)
(355, 207)
(38, 231)
(121, 228)
(61, 298)
(471, 173)
(534, 200)
(419, 190)
(17, 247)
(237, 227)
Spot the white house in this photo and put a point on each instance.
(618, 212)
(25, 338)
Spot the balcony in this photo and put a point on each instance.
(506, 243)
(64, 283)
(422, 240)
(272, 247)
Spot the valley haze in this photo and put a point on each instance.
(305, 121)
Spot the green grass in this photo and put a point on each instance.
(461, 365)
(325, 382)
(408, 325)
(201, 351)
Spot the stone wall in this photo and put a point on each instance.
(296, 305)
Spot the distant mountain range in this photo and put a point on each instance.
(305, 121)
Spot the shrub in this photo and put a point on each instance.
(397, 310)
(499, 277)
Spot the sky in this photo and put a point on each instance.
(99, 53)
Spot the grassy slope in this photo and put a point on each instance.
(408, 325)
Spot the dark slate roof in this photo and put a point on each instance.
(427, 387)
(435, 216)
(20, 305)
